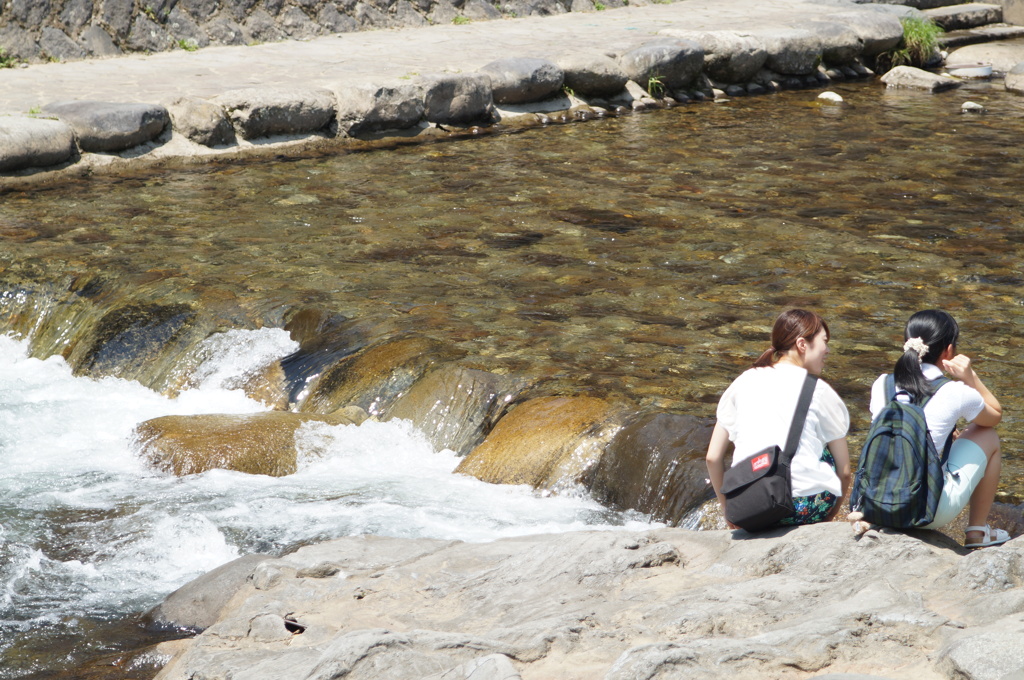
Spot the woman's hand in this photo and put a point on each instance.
(959, 367)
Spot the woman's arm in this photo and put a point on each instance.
(841, 454)
(715, 460)
(960, 368)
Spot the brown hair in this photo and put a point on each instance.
(790, 327)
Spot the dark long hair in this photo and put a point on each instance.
(938, 330)
(790, 327)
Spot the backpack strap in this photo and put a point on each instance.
(796, 428)
(891, 392)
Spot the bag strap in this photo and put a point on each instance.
(890, 393)
(796, 428)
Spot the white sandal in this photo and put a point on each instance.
(991, 537)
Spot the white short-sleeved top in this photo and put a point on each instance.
(954, 401)
(757, 409)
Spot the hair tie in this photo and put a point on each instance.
(918, 345)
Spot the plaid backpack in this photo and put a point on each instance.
(899, 476)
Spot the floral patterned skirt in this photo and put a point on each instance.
(812, 509)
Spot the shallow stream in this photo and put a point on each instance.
(640, 257)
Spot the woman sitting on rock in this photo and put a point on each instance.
(974, 463)
(756, 411)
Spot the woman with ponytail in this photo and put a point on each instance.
(757, 409)
(974, 463)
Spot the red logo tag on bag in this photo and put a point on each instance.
(761, 461)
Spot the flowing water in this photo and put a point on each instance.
(641, 258)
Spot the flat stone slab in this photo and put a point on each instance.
(969, 15)
(111, 126)
(1002, 55)
(34, 142)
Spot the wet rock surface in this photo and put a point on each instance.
(666, 603)
(910, 78)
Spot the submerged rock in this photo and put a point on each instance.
(542, 442)
(374, 377)
(255, 443)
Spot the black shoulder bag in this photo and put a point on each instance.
(759, 491)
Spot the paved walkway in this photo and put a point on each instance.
(381, 55)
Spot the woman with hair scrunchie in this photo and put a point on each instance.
(757, 409)
(974, 463)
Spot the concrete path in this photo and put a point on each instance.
(380, 55)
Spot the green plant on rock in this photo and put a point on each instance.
(569, 92)
(600, 6)
(8, 60)
(460, 20)
(149, 12)
(655, 86)
(188, 44)
(35, 111)
(920, 41)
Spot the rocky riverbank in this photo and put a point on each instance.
(227, 101)
(807, 602)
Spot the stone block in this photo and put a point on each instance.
(334, 21)
(109, 126)
(29, 13)
(261, 27)
(480, 10)
(840, 44)
(443, 12)
(729, 57)
(1015, 79)
(76, 13)
(368, 17)
(297, 24)
(261, 112)
(592, 75)
(34, 142)
(225, 30)
(182, 27)
(201, 121)
(98, 42)
(148, 36)
(908, 77)
(519, 80)
(791, 51)
(200, 10)
(878, 30)
(117, 16)
(530, 8)
(18, 42)
(55, 43)
(406, 15)
(672, 63)
(457, 98)
(372, 108)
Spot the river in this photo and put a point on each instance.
(640, 257)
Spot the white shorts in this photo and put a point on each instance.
(964, 469)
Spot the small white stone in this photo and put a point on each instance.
(830, 96)
(971, 107)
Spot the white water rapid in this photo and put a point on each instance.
(87, 530)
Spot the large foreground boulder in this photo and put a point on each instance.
(111, 126)
(34, 142)
(254, 443)
(810, 601)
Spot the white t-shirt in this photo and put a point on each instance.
(757, 409)
(951, 403)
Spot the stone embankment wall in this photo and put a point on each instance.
(41, 30)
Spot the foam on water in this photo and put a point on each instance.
(87, 529)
